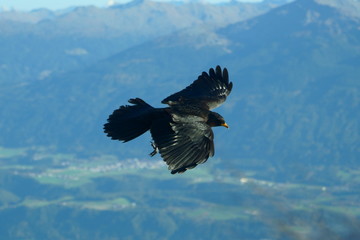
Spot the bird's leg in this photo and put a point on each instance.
(156, 149)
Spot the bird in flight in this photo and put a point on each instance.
(182, 131)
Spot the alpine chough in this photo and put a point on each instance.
(182, 131)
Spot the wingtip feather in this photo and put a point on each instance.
(225, 75)
(218, 71)
(212, 72)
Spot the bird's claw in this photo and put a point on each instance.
(156, 149)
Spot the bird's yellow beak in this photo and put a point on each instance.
(225, 125)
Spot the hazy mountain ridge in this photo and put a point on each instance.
(31, 17)
(64, 40)
(120, 19)
(315, 53)
(349, 8)
(291, 81)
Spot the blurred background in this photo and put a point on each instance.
(288, 167)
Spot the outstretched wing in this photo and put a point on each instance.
(183, 143)
(211, 89)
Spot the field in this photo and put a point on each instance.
(36, 179)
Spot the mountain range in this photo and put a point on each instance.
(39, 43)
(286, 169)
(295, 73)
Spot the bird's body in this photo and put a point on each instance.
(182, 131)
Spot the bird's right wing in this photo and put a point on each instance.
(183, 144)
(210, 88)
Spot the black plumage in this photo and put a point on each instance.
(181, 132)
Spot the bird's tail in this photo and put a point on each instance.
(129, 121)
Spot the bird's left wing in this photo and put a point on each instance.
(183, 143)
(210, 88)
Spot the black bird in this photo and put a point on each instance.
(182, 131)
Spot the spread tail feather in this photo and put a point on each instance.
(129, 121)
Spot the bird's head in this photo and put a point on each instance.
(216, 120)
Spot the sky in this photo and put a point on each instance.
(26, 5)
